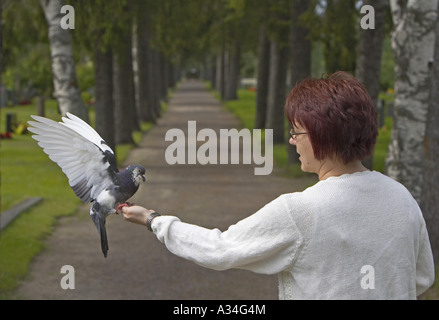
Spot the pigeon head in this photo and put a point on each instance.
(137, 173)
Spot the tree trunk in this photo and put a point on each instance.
(135, 70)
(219, 82)
(41, 106)
(143, 57)
(66, 88)
(368, 65)
(123, 94)
(430, 186)
(1, 55)
(213, 72)
(300, 57)
(234, 64)
(154, 82)
(276, 91)
(413, 44)
(104, 96)
(164, 74)
(262, 81)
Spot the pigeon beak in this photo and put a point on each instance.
(143, 177)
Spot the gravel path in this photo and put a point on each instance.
(138, 266)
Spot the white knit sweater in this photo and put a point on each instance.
(357, 236)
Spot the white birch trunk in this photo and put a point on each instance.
(66, 89)
(413, 41)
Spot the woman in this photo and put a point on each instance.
(356, 234)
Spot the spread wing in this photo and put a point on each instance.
(84, 157)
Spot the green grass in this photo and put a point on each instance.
(244, 108)
(26, 171)
(381, 147)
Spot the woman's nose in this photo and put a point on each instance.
(292, 141)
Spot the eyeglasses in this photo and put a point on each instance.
(294, 134)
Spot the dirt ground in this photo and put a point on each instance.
(138, 266)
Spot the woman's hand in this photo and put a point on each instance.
(136, 214)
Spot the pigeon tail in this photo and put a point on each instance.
(100, 225)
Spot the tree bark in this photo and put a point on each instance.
(276, 91)
(164, 77)
(123, 94)
(154, 82)
(143, 56)
(104, 96)
(262, 81)
(1, 54)
(368, 65)
(300, 57)
(66, 90)
(413, 44)
(135, 70)
(41, 106)
(219, 82)
(233, 75)
(430, 186)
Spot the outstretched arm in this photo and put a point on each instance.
(266, 242)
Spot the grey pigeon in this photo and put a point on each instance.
(89, 164)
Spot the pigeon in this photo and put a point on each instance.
(90, 165)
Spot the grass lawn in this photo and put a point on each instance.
(26, 171)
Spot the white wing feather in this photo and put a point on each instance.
(79, 151)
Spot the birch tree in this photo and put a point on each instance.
(66, 89)
(413, 43)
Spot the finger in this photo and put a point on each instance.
(119, 208)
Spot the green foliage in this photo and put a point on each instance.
(26, 56)
(103, 25)
(279, 21)
(335, 24)
(31, 69)
(85, 75)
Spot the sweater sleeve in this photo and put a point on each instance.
(424, 264)
(266, 242)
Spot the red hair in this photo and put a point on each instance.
(338, 114)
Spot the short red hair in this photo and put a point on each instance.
(338, 115)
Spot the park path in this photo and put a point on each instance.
(138, 265)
